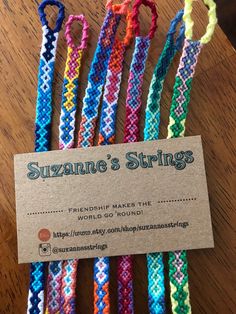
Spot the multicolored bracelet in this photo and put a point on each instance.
(107, 137)
(42, 131)
(45, 76)
(91, 102)
(60, 296)
(155, 263)
(96, 78)
(133, 106)
(178, 273)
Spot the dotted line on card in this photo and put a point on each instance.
(45, 212)
(178, 200)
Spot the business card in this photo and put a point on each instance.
(113, 200)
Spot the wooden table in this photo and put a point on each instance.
(212, 114)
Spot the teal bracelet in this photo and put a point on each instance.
(156, 285)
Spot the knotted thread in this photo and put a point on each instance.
(155, 264)
(42, 131)
(60, 292)
(106, 137)
(96, 79)
(178, 266)
(86, 132)
(133, 105)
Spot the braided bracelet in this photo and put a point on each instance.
(58, 299)
(42, 131)
(96, 78)
(112, 86)
(91, 102)
(106, 137)
(178, 273)
(133, 105)
(155, 264)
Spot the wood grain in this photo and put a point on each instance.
(227, 14)
(212, 114)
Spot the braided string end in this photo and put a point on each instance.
(189, 22)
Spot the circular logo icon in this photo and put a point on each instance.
(44, 235)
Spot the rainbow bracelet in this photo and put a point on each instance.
(107, 137)
(178, 273)
(58, 300)
(42, 131)
(133, 106)
(155, 264)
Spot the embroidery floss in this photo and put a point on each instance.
(133, 105)
(42, 131)
(155, 264)
(96, 80)
(178, 273)
(112, 87)
(55, 303)
(106, 137)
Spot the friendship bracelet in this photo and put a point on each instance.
(91, 102)
(106, 137)
(58, 298)
(133, 101)
(69, 267)
(178, 266)
(71, 82)
(112, 86)
(42, 131)
(45, 76)
(155, 264)
(96, 78)
(133, 105)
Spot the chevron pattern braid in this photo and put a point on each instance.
(155, 263)
(36, 289)
(91, 102)
(101, 285)
(125, 284)
(133, 101)
(152, 118)
(182, 88)
(111, 94)
(178, 270)
(44, 100)
(178, 273)
(156, 283)
(106, 137)
(178, 267)
(133, 106)
(42, 131)
(66, 140)
(69, 98)
(54, 283)
(96, 79)
(69, 273)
